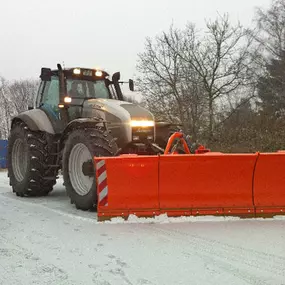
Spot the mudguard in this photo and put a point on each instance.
(36, 120)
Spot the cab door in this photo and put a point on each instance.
(48, 100)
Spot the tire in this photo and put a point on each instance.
(81, 146)
(28, 159)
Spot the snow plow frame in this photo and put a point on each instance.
(205, 183)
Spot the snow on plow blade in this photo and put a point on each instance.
(245, 185)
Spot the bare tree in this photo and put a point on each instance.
(220, 59)
(22, 93)
(270, 29)
(171, 90)
(5, 108)
(15, 97)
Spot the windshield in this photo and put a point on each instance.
(85, 88)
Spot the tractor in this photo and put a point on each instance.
(78, 114)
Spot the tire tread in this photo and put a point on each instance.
(35, 183)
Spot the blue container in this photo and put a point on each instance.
(3, 153)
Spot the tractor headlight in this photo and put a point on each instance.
(67, 99)
(98, 73)
(142, 130)
(142, 123)
(76, 71)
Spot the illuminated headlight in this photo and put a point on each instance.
(76, 71)
(98, 73)
(142, 123)
(67, 99)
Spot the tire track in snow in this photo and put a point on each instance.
(225, 256)
(29, 201)
(259, 260)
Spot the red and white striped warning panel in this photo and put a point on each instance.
(102, 183)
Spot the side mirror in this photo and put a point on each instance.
(131, 84)
(116, 76)
(45, 74)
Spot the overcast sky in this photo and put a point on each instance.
(90, 33)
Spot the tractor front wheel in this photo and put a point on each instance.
(80, 148)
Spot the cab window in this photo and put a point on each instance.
(50, 99)
(87, 89)
(101, 91)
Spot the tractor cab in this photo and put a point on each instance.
(63, 92)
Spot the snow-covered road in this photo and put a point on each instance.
(47, 241)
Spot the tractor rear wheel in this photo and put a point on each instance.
(28, 162)
(78, 165)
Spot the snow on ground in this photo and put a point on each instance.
(47, 241)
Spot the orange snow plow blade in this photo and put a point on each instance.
(245, 185)
(127, 184)
(269, 184)
(210, 184)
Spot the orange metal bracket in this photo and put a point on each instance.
(174, 136)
